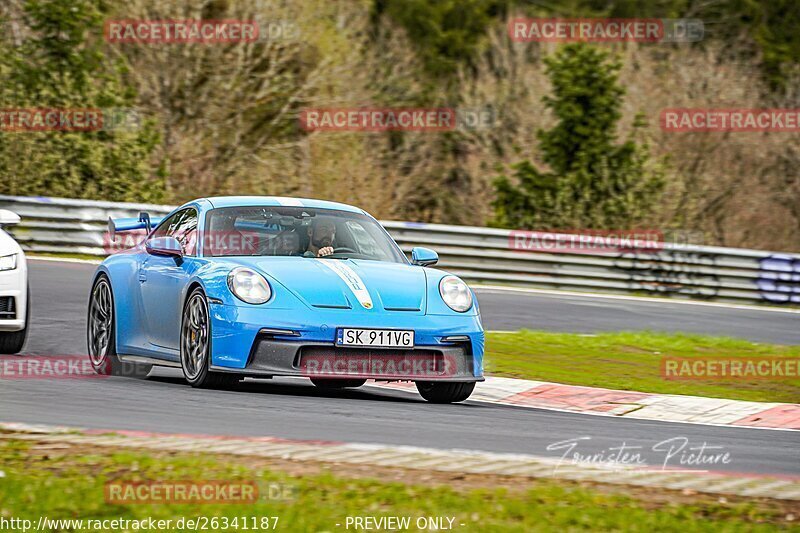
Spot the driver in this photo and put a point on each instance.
(321, 235)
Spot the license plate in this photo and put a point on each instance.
(381, 338)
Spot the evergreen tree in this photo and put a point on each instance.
(590, 181)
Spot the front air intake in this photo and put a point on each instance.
(7, 308)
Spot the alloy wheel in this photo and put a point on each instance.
(194, 336)
(101, 321)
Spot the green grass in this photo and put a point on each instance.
(39, 480)
(632, 361)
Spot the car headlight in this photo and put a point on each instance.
(455, 294)
(249, 286)
(8, 262)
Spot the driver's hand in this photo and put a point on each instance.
(328, 250)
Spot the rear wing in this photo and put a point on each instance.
(132, 224)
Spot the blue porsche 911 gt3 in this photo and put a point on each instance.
(232, 287)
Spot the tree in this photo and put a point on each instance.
(53, 59)
(447, 33)
(590, 181)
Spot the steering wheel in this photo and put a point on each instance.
(344, 250)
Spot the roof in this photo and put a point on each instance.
(270, 201)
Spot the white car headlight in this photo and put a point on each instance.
(249, 286)
(455, 294)
(8, 262)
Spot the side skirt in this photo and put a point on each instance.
(148, 361)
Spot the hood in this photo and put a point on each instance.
(350, 284)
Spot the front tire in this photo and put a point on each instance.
(101, 335)
(13, 341)
(445, 392)
(196, 346)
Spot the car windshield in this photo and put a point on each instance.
(297, 231)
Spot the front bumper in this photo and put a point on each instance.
(13, 298)
(262, 342)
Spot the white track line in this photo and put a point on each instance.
(551, 292)
(62, 259)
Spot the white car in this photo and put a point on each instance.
(14, 291)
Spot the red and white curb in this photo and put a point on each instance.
(629, 404)
(461, 461)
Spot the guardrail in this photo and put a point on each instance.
(483, 255)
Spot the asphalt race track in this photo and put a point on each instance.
(503, 310)
(61, 293)
(295, 409)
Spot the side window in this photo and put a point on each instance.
(186, 232)
(167, 227)
(183, 226)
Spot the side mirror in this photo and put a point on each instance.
(8, 217)
(166, 246)
(423, 256)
